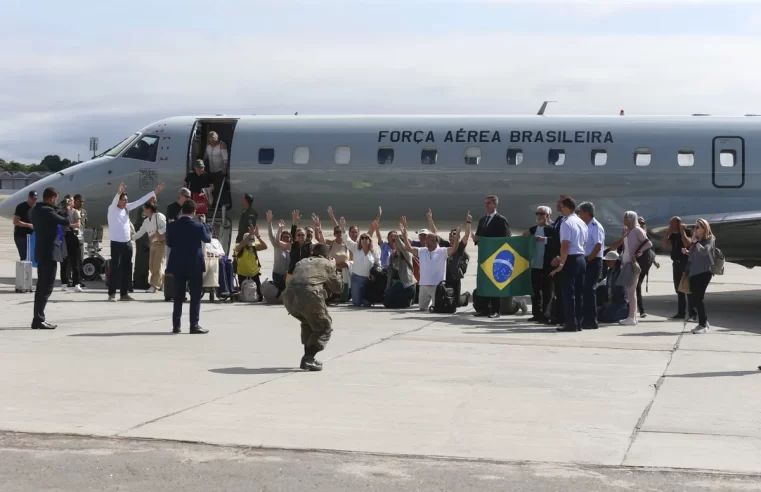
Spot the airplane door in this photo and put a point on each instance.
(728, 162)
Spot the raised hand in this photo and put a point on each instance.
(316, 220)
(269, 216)
(342, 223)
(158, 189)
(429, 215)
(281, 224)
(295, 216)
(403, 222)
(256, 231)
(380, 211)
(251, 229)
(468, 217)
(403, 229)
(375, 225)
(122, 188)
(330, 211)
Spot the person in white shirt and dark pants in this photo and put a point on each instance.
(594, 254)
(573, 239)
(121, 245)
(155, 226)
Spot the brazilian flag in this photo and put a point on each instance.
(504, 266)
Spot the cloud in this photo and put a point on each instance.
(55, 95)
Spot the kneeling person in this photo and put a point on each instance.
(304, 298)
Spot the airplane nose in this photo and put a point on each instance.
(8, 206)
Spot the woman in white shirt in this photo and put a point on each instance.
(635, 242)
(365, 258)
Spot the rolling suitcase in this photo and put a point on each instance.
(24, 270)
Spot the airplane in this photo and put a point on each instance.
(658, 166)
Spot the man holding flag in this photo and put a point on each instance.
(504, 262)
(492, 225)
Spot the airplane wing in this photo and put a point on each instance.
(737, 234)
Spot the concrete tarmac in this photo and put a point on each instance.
(507, 396)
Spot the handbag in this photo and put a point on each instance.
(684, 284)
(626, 277)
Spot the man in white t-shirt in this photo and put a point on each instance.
(433, 264)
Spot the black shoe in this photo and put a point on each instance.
(566, 329)
(590, 327)
(677, 316)
(311, 365)
(643, 315)
(43, 325)
(481, 315)
(536, 319)
(494, 316)
(176, 330)
(198, 331)
(692, 317)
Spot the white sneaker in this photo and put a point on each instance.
(151, 290)
(628, 322)
(699, 330)
(77, 288)
(64, 289)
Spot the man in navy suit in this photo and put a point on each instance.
(186, 262)
(492, 225)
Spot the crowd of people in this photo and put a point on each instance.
(577, 283)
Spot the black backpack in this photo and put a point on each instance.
(376, 286)
(444, 301)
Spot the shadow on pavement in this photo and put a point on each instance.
(261, 370)
(126, 334)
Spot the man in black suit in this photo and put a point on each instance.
(541, 265)
(558, 309)
(492, 225)
(47, 252)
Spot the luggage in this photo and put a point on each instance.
(168, 287)
(211, 275)
(24, 270)
(376, 286)
(248, 291)
(226, 277)
(444, 301)
(272, 294)
(202, 203)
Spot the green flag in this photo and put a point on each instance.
(504, 266)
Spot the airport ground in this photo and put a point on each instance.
(407, 401)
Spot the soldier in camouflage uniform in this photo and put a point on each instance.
(304, 298)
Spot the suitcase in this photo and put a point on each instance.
(202, 203)
(211, 275)
(24, 270)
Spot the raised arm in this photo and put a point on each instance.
(122, 189)
(431, 225)
(468, 228)
(262, 244)
(285, 246)
(332, 217)
(407, 246)
(318, 235)
(454, 245)
(133, 205)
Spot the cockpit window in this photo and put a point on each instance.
(145, 149)
(116, 150)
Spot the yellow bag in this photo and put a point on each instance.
(248, 262)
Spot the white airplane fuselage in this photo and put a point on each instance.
(658, 166)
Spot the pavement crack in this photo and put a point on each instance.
(657, 387)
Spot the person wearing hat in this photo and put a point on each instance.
(611, 298)
(247, 217)
(22, 222)
(198, 179)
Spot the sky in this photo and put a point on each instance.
(74, 69)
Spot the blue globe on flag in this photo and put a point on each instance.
(502, 267)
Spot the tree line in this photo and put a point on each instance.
(50, 164)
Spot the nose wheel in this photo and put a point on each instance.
(92, 268)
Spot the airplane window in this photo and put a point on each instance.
(472, 156)
(727, 158)
(145, 149)
(342, 155)
(514, 156)
(266, 155)
(599, 157)
(642, 156)
(385, 155)
(429, 156)
(301, 155)
(686, 158)
(116, 150)
(556, 157)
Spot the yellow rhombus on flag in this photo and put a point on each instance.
(504, 266)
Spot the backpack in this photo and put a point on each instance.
(376, 286)
(717, 261)
(271, 292)
(444, 301)
(248, 291)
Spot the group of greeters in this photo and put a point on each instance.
(578, 284)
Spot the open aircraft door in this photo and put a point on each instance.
(728, 162)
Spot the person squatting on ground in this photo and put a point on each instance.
(304, 299)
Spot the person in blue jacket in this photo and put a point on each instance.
(186, 237)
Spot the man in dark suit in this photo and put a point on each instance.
(47, 252)
(185, 237)
(558, 309)
(492, 225)
(541, 265)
